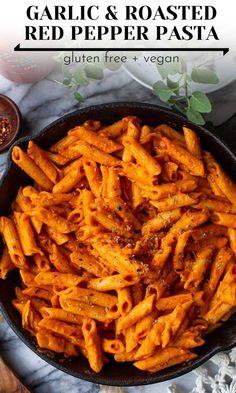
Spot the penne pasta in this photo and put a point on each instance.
(178, 258)
(115, 258)
(143, 326)
(117, 128)
(69, 181)
(137, 173)
(111, 223)
(91, 152)
(169, 132)
(222, 181)
(215, 205)
(60, 315)
(161, 221)
(222, 258)
(42, 262)
(6, 264)
(62, 280)
(30, 318)
(10, 236)
(41, 160)
(105, 144)
(28, 166)
(53, 220)
(124, 300)
(93, 176)
(90, 296)
(232, 239)
(112, 346)
(207, 232)
(137, 198)
(162, 284)
(63, 144)
(70, 332)
(57, 159)
(130, 340)
(178, 200)
(165, 358)
(170, 302)
(59, 260)
(192, 142)
(93, 345)
(170, 169)
(141, 155)
(124, 244)
(139, 311)
(133, 130)
(225, 219)
(57, 237)
(191, 163)
(167, 189)
(109, 283)
(54, 343)
(45, 199)
(26, 234)
(72, 166)
(81, 308)
(200, 265)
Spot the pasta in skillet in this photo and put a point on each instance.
(125, 243)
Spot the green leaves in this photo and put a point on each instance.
(80, 77)
(170, 69)
(94, 72)
(115, 65)
(199, 102)
(176, 91)
(74, 81)
(174, 86)
(66, 82)
(78, 96)
(195, 117)
(162, 91)
(204, 75)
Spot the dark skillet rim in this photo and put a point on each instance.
(95, 378)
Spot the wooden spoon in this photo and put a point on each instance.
(9, 382)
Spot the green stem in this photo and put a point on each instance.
(179, 98)
(179, 109)
(186, 89)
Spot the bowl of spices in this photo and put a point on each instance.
(10, 122)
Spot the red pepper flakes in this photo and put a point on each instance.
(5, 129)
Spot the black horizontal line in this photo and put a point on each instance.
(18, 48)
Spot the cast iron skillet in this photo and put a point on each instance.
(117, 374)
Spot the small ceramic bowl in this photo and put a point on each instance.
(10, 111)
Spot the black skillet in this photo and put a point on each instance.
(118, 374)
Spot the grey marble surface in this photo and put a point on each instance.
(40, 104)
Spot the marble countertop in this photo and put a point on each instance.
(41, 103)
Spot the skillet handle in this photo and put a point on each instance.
(227, 132)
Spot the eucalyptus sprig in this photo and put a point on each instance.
(79, 77)
(82, 74)
(175, 89)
